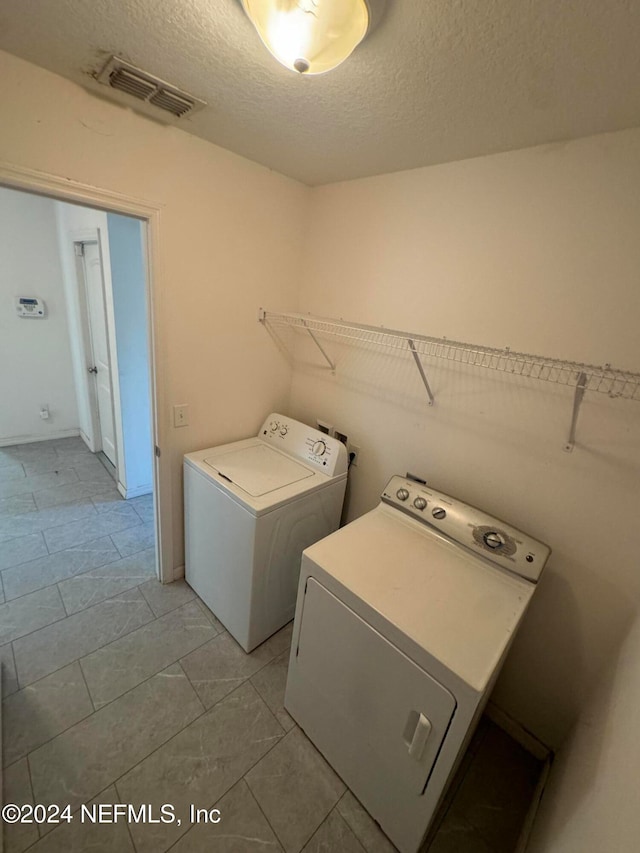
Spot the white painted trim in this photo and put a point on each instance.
(139, 491)
(178, 573)
(518, 732)
(64, 189)
(86, 440)
(31, 439)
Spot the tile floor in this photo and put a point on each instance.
(120, 690)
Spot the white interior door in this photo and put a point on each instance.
(101, 366)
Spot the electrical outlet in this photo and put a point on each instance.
(324, 427)
(44, 413)
(181, 415)
(354, 455)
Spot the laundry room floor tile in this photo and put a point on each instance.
(43, 710)
(30, 613)
(89, 588)
(14, 552)
(9, 677)
(121, 665)
(17, 790)
(53, 647)
(242, 829)
(270, 683)
(221, 665)
(200, 764)
(78, 532)
(363, 825)
(79, 763)
(80, 836)
(135, 538)
(53, 568)
(295, 788)
(333, 834)
(162, 598)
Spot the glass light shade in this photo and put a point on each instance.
(309, 36)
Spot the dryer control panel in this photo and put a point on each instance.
(315, 448)
(466, 525)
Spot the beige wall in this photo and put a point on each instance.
(537, 250)
(591, 800)
(229, 242)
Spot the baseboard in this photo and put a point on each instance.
(87, 441)
(517, 731)
(178, 573)
(122, 489)
(525, 835)
(138, 491)
(31, 439)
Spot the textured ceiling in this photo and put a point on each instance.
(436, 81)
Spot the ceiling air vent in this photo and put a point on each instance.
(121, 75)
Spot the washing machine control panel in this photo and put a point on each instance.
(314, 448)
(466, 525)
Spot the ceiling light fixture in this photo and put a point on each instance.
(310, 36)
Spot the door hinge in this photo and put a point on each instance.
(157, 451)
(79, 249)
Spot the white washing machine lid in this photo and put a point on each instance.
(258, 469)
(453, 604)
(285, 479)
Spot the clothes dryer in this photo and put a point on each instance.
(404, 618)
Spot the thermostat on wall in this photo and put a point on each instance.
(30, 306)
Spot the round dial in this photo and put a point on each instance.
(493, 540)
(420, 503)
(273, 426)
(439, 513)
(402, 494)
(319, 447)
(284, 430)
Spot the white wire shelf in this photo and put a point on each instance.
(602, 379)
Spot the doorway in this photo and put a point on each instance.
(145, 216)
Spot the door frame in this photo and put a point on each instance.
(65, 189)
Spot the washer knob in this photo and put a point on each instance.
(439, 513)
(493, 540)
(319, 447)
(284, 430)
(273, 426)
(420, 503)
(402, 494)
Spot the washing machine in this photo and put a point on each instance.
(251, 508)
(403, 620)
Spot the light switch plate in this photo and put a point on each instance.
(181, 415)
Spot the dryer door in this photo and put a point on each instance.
(376, 715)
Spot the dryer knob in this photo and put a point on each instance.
(420, 503)
(439, 513)
(284, 430)
(273, 426)
(319, 447)
(493, 540)
(402, 494)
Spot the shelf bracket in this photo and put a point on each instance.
(423, 375)
(320, 347)
(577, 400)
